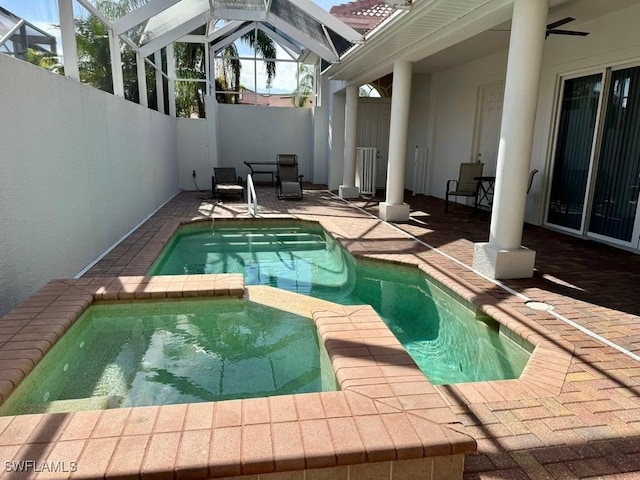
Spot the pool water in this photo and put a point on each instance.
(137, 354)
(295, 258)
(449, 342)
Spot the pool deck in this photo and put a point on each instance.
(574, 413)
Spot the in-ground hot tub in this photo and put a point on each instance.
(169, 352)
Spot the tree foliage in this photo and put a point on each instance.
(229, 66)
(94, 61)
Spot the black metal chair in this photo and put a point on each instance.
(288, 181)
(225, 181)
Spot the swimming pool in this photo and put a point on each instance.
(446, 338)
(143, 353)
(300, 258)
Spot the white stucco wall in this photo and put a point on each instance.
(417, 134)
(193, 153)
(454, 98)
(80, 168)
(247, 133)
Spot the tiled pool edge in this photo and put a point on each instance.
(386, 418)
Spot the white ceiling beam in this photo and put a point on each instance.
(224, 30)
(303, 39)
(129, 42)
(193, 39)
(328, 20)
(281, 40)
(12, 31)
(232, 38)
(141, 14)
(94, 11)
(172, 35)
(239, 14)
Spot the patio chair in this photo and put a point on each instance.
(288, 181)
(465, 185)
(225, 181)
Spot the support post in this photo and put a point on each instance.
(394, 209)
(116, 64)
(348, 188)
(69, 47)
(157, 59)
(171, 73)
(142, 79)
(503, 257)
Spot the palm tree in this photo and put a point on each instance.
(44, 60)
(228, 69)
(306, 81)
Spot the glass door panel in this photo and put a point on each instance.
(617, 183)
(573, 152)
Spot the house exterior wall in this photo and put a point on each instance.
(417, 134)
(454, 95)
(80, 168)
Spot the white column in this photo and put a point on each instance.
(394, 209)
(348, 188)
(336, 139)
(171, 73)
(142, 80)
(69, 47)
(116, 64)
(502, 256)
(157, 59)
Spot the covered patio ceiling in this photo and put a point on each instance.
(440, 34)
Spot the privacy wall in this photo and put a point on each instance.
(80, 168)
(248, 133)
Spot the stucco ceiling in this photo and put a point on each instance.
(440, 34)
(497, 38)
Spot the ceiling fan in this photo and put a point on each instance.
(552, 28)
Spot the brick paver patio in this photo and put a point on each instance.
(582, 419)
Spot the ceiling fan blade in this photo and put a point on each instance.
(559, 23)
(567, 32)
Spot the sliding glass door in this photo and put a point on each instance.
(574, 151)
(615, 197)
(595, 179)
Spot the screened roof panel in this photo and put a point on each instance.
(303, 24)
(7, 21)
(299, 19)
(173, 17)
(240, 4)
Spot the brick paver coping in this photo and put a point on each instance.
(386, 417)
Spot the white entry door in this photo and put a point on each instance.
(374, 115)
(488, 119)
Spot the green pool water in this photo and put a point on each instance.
(448, 340)
(142, 353)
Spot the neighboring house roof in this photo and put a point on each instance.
(249, 97)
(362, 15)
